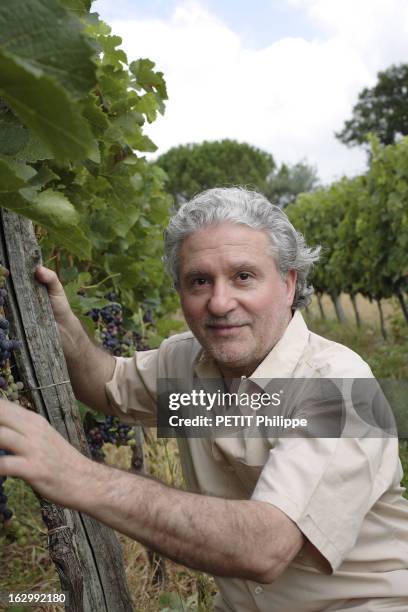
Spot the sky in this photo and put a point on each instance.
(282, 75)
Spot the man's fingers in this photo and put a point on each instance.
(60, 305)
(12, 441)
(14, 416)
(48, 277)
(13, 466)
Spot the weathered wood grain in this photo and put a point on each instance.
(86, 553)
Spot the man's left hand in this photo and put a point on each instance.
(41, 456)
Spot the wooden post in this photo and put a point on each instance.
(87, 554)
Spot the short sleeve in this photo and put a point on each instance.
(132, 390)
(326, 486)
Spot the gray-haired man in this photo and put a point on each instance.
(284, 524)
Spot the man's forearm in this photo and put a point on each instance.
(237, 538)
(89, 366)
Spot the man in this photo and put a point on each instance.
(285, 524)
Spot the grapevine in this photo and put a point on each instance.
(5, 513)
(119, 341)
(9, 389)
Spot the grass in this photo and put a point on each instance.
(24, 561)
(404, 461)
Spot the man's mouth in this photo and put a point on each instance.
(226, 329)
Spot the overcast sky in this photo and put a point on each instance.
(282, 75)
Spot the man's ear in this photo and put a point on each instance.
(291, 278)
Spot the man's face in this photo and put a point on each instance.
(233, 297)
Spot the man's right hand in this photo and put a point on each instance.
(89, 366)
(60, 305)
(72, 334)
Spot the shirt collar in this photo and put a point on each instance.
(280, 362)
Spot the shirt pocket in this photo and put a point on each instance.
(244, 457)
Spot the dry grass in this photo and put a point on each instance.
(162, 462)
(25, 563)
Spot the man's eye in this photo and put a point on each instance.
(198, 281)
(244, 276)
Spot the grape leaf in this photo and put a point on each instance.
(34, 150)
(46, 108)
(9, 177)
(129, 269)
(81, 7)
(147, 78)
(43, 38)
(13, 135)
(148, 105)
(55, 212)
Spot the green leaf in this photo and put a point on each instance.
(55, 212)
(148, 105)
(13, 135)
(112, 55)
(130, 270)
(43, 176)
(81, 7)
(171, 601)
(34, 150)
(147, 78)
(9, 178)
(45, 107)
(141, 142)
(95, 115)
(44, 39)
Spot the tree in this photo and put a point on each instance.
(192, 168)
(287, 182)
(381, 110)
(317, 216)
(362, 225)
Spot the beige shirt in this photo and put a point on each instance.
(344, 494)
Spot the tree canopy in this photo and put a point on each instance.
(381, 110)
(191, 168)
(288, 181)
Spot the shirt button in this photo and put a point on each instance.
(258, 590)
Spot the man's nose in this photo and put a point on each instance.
(222, 300)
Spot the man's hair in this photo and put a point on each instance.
(246, 207)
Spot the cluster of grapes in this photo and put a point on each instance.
(119, 342)
(8, 387)
(114, 337)
(6, 345)
(110, 430)
(5, 513)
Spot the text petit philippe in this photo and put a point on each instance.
(207, 401)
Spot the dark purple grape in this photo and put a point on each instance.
(148, 317)
(5, 513)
